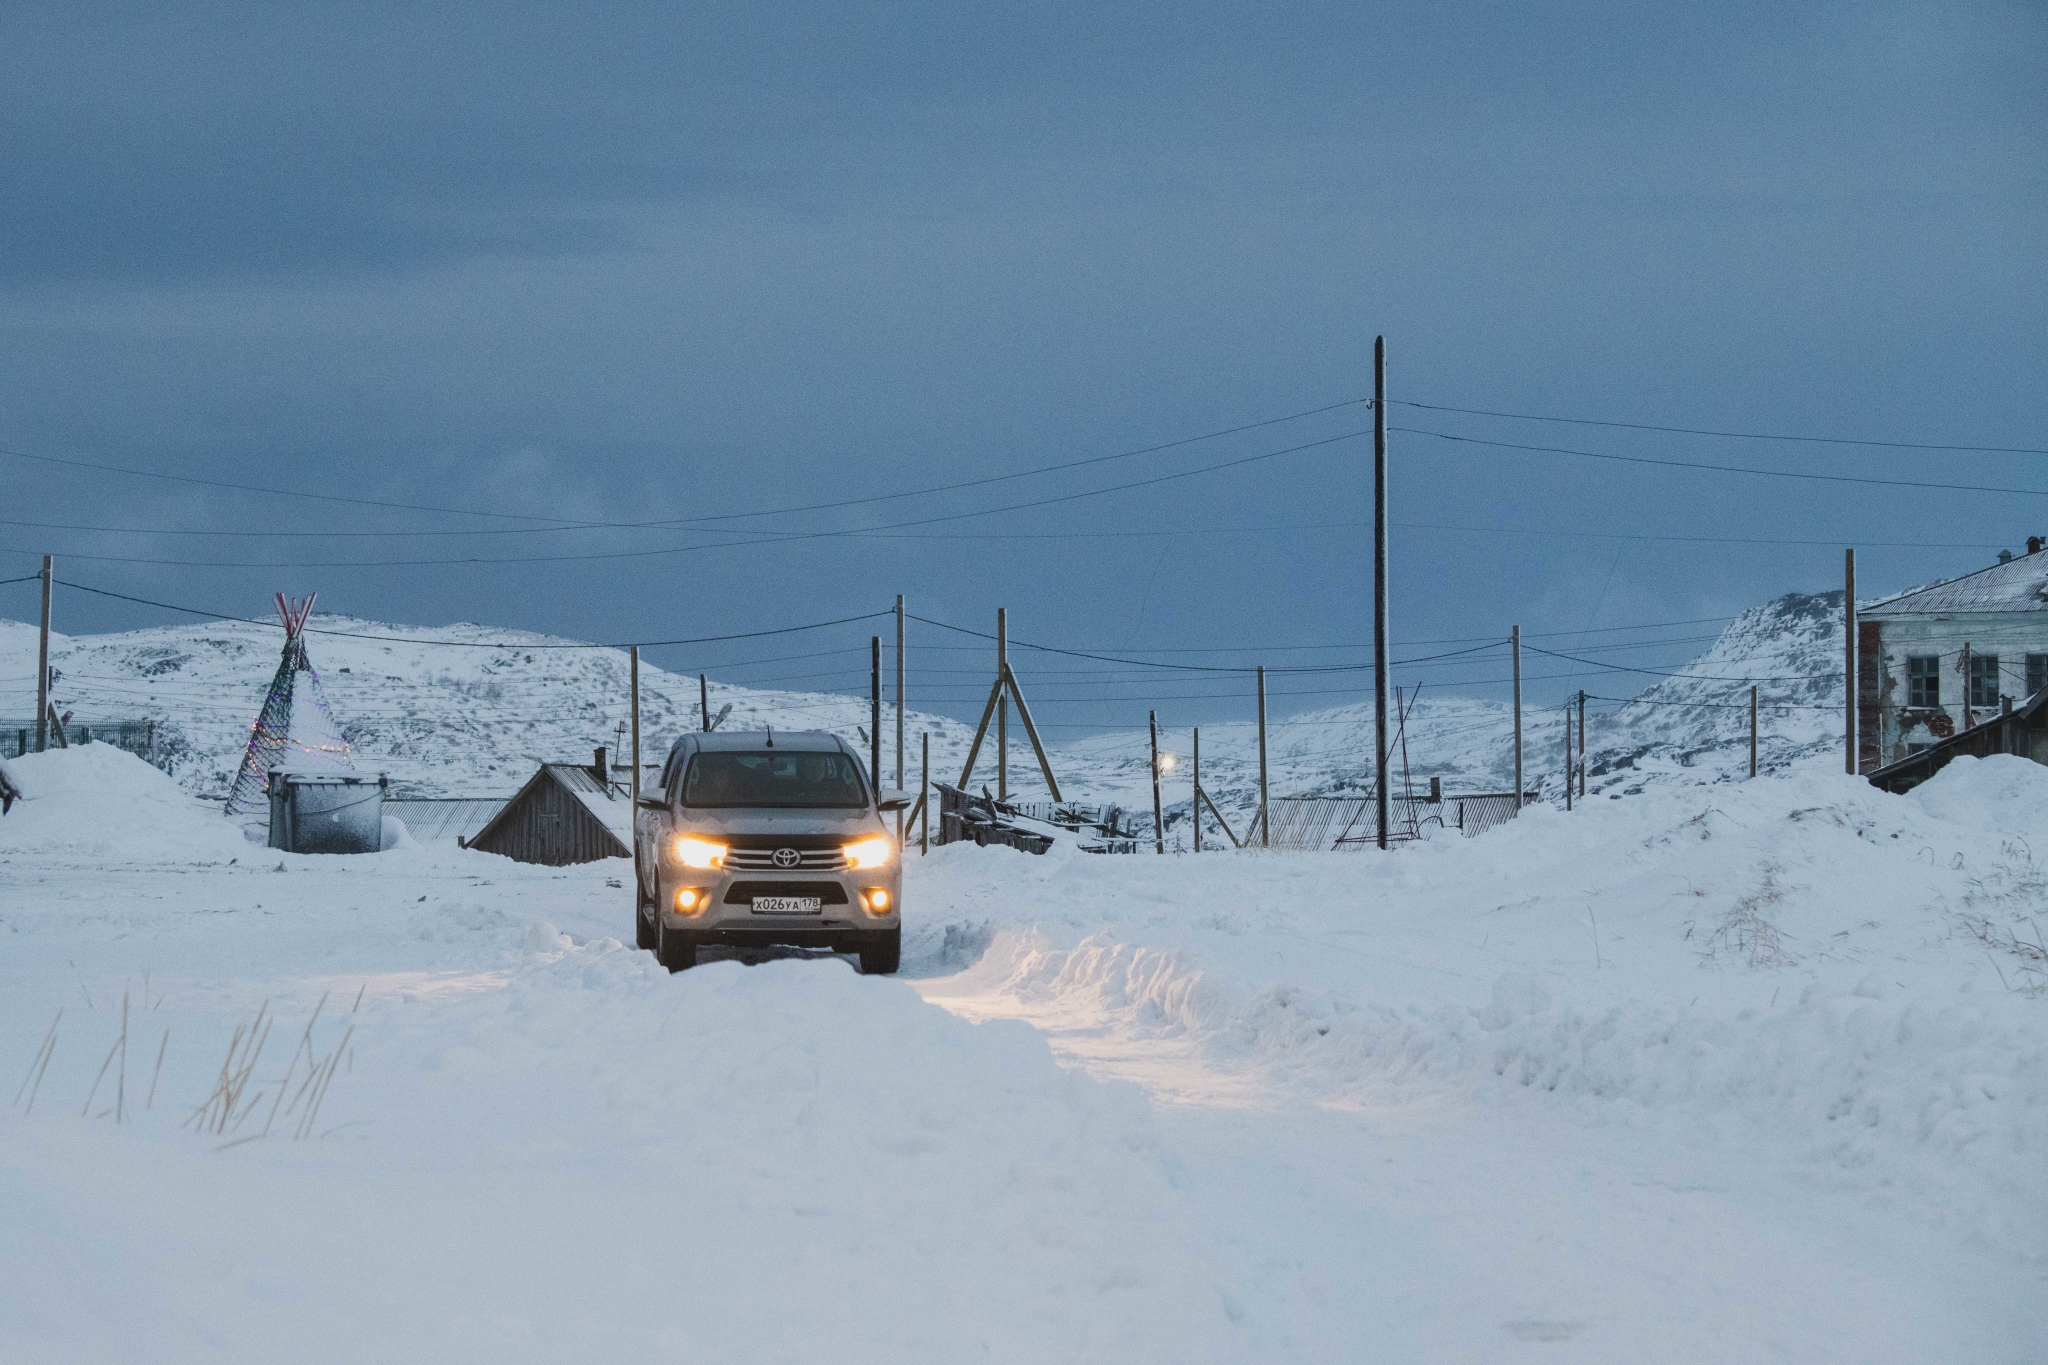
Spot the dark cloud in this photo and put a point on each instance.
(625, 257)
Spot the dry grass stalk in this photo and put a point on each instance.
(305, 1046)
(39, 1064)
(120, 1047)
(2032, 955)
(151, 1104)
(225, 1106)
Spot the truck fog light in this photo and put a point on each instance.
(691, 901)
(877, 900)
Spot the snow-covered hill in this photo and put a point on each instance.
(445, 715)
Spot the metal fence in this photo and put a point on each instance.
(1329, 823)
(138, 737)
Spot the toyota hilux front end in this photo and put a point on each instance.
(753, 839)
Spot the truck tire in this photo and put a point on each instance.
(885, 957)
(643, 931)
(672, 950)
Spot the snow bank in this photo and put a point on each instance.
(97, 799)
(1786, 964)
(540, 1146)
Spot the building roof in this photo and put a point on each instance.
(614, 812)
(2020, 585)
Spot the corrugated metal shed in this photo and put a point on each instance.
(565, 814)
(2020, 585)
(445, 819)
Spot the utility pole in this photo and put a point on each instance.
(1265, 826)
(1582, 744)
(43, 667)
(875, 710)
(635, 657)
(704, 701)
(1379, 577)
(1002, 705)
(1567, 756)
(1158, 820)
(1752, 729)
(1515, 640)
(1849, 662)
(924, 793)
(1195, 806)
(899, 695)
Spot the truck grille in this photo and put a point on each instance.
(764, 860)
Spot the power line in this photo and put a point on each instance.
(721, 545)
(484, 644)
(570, 525)
(1729, 468)
(1200, 668)
(1736, 435)
(1698, 677)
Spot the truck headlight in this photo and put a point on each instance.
(699, 852)
(868, 853)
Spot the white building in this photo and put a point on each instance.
(1939, 659)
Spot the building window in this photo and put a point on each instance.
(2037, 673)
(1923, 680)
(1983, 679)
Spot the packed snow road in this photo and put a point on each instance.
(1712, 1076)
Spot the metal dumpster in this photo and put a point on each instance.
(327, 812)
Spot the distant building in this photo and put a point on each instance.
(1939, 660)
(567, 813)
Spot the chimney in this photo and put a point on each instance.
(598, 768)
(2035, 544)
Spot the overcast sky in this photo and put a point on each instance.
(628, 263)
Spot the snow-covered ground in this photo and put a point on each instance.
(1755, 1071)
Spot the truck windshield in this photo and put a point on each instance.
(778, 780)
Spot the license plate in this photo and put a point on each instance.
(788, 905)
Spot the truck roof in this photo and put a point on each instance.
(798, 741)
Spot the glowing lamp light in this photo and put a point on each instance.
(868, 853)
(1166, 762)
(699, 852)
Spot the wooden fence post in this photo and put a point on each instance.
(1265, 825)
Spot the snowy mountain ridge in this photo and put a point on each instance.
(469, 710)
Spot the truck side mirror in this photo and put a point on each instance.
(890, 800)
(653, 803)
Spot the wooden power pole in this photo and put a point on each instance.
(1265, 825)
(1567, 756)
(1582, 744)
(1849, 662)
(1515, 641)
(1158, 820)
(875, 711)
(704, 701)
(1379, 578)
(1002, 705)
(899, 698)
(635, 667)
(1195, 806)
(43, 667)
(1752, 729)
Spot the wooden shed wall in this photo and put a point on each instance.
(546, 824)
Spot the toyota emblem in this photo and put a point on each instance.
(787, 857)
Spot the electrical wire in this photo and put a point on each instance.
(1732, 469)
(1736, 435)
(720, 545)
(678, 522)
(484, 644)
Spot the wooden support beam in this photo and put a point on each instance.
(1031, 731)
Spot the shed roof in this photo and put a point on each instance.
(2019, 585)
(615, 813)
